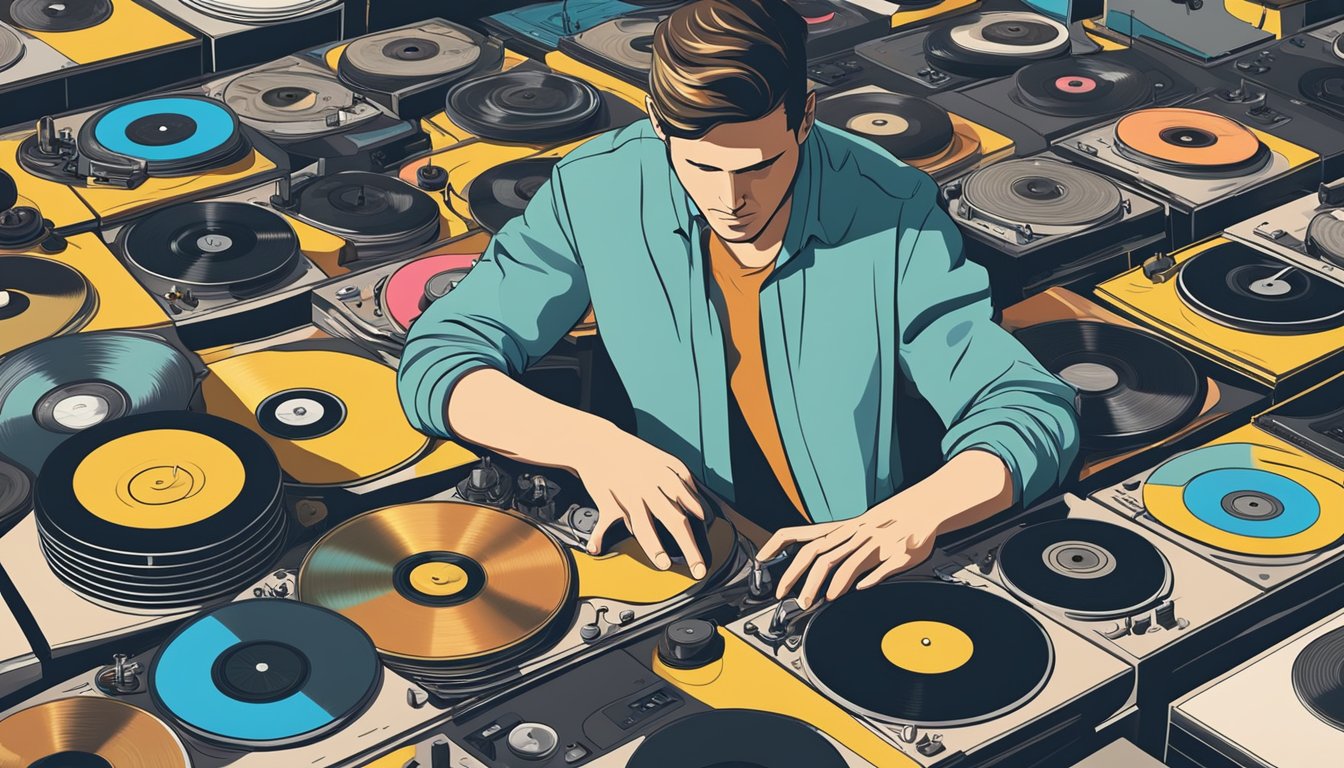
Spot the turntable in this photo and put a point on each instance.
(302, 107)
(1139, 397)
(1212, 170)
(410, 68)
(1061, 96)
(621, 48)
(81, 287)
(145, 153)
(1311, 421)
(1296, 717)
(535, 30)
(239, 33)
(315, 400)
(1305, 232)
(1241, 306)
(837, 25)
(1037, 222)
(1202, 35)
(914, 130)
(30, 76)
(972, 47)
(1289, 118)
(1308, 66)
(379, 216)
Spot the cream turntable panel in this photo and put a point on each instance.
(1240, 305)
(238, 33)
(1305, 232)
(1210, 169)
(1296, 720)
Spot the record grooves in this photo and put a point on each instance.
(1190, 142)
(43, 298)
(1081, 86)
(173, 135)
(526, 106)
(381, 214)
(502, 193)
(1134, 388)
(1042, 194)
(1318, 677)
(59, 15)
(1325, 237)
(908, 127)
(390, 60)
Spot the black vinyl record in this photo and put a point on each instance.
(1237, 286)
(382, 214)
(1325, 85)
(16, 492)
(736, 737)
(223, 246)
(1318, 677)
(1134, 388)
(994, 44)
(526, 106)
(1087, 568)
(1081, 86)
(906, 126)
(927, 653)
(498, 195)
(59, 15)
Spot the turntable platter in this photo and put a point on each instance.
(174, 135)
(1325, 237)
(501, 193)
(1318, 677)
(292, 103)
(1190, 142)
(383, 215)
(40, 298)
(995, 44)
(89, 731)
(526, 106)
(1043, 192)
(388, 59)
(11, 50)
(626, 42)
(1081, 86)
(736, 737)
(1324, 85)
(1239, 287)
(919, 652)
(412, 288)
(59, 15)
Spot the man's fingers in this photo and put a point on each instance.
(863, 559)
(679, 525)
(787, 536)
(608, 512)
(802, 562)
(684, 500)
(884, 571)
(822, 568)
(689, 494)
(641, 525)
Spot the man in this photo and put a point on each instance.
(763, 285)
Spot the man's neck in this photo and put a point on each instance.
(764, 248)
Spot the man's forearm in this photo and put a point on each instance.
(490, 409)
(973, 486)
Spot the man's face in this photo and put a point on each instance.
(739, 174)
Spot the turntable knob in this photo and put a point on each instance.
(431, 177)
(486, 484)
(690, 644)
(533, 741)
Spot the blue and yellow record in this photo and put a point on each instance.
(167, 128)
(265, 673)
(1246, 498)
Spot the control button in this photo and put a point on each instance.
(689, 644)
(574, 753)
(533, 741)
(590, 632)
(1142, 624)
(1166, 614)
(1131, 485)
(625, 617)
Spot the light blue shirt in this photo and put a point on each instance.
(869, 288)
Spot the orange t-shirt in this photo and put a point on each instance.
(741, 290)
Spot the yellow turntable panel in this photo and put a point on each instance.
(626, 574)
(131, 29)
(111, 202)
(57, 202)
(1268, 359)
(1091, 28)
(947, 8)
(566, 64)
(394, 759)
(1257, 14)
(370, 438)
(122, 302)
(746, 679)
(159, 478)
(442, 131)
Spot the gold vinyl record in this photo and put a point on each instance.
(330, 417)
(441, 582)
(89, 731)
(40, 298)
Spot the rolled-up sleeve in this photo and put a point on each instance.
(524, 294)
(988, 390)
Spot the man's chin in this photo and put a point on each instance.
(737, 230)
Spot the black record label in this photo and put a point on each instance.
(59, 15)
(908, 127)
(733, 737)
(1237, 286)
(1087, 568)
(927, 653)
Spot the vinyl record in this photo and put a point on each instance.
(258, 11)
(995, 44)
(1318, 677)
(1082, 86)
(178, 492)
(16, 492)
(526, 106)
(736, 737)
(500, 194)
(89, 731)
(1190, 142)
(59, 15)
(1089, 569)
(434, 50)
(412, 288)
(265, 673)
(1246, 499)
(382, 215)
(55, 388)
(624, 44)
(11, 50)
(40, 299)
(219, 247)
(1050, 196)
(926, 653)
(317, 409)
(1325, 237)
(1239, 287)
(292, 105)
(1134, 388)
(908, 127)
(442, 585)
(1324, 85)
(817, 14)
(174, 135)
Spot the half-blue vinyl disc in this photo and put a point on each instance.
(165, 128)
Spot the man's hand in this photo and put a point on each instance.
(635, 483)
(859, 552)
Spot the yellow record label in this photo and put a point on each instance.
(438, 579)
(160, 478)
(927, 647)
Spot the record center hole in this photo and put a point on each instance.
(263, 666)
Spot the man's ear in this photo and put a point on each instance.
(653, 118)
(809, 116)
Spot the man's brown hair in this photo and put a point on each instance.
(725, 61)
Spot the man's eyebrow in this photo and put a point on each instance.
(756, 167)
